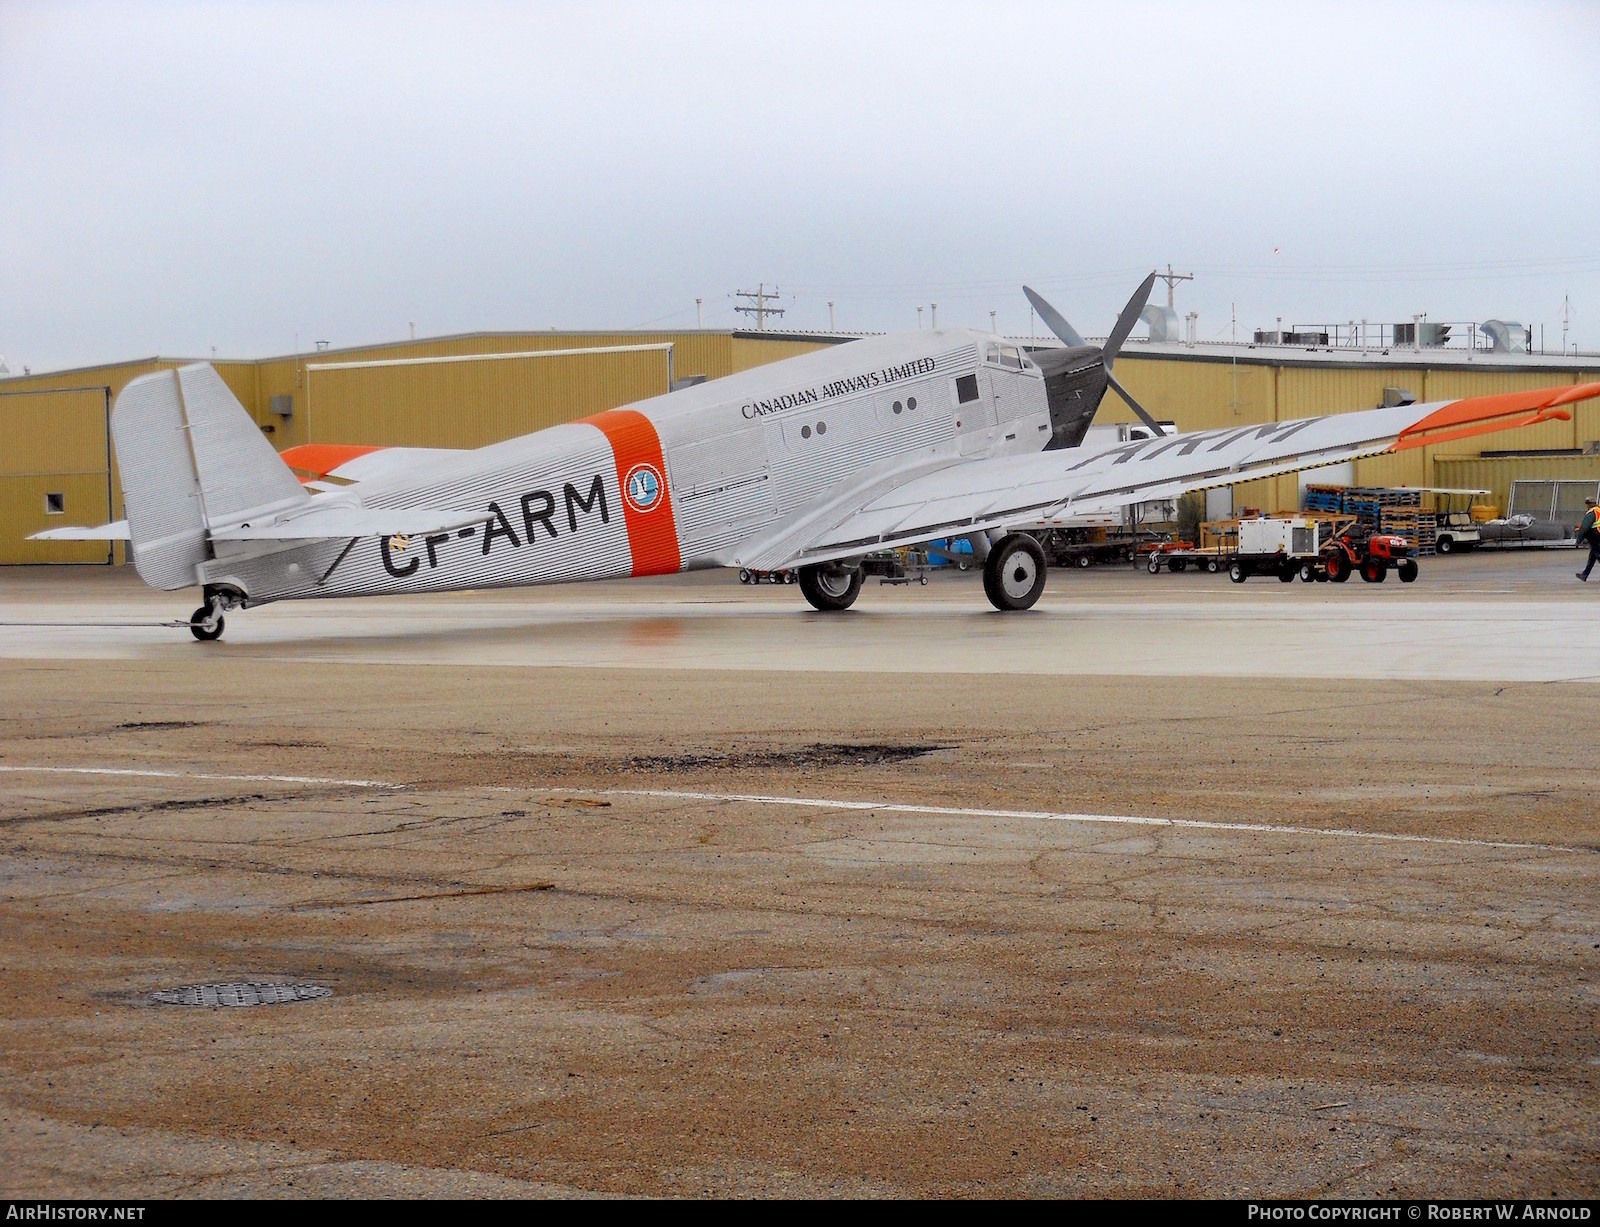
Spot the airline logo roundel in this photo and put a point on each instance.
(642, 487)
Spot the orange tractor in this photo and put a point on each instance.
(1372, 555)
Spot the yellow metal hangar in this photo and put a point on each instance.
(57, 467)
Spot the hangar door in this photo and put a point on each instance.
(55, 472)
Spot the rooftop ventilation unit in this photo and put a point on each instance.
(1163, 323)
(1507, 336)
(1315, 340)
(1422, 336)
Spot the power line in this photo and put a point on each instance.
(1172, 279)
(757, 306)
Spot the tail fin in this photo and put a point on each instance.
(191, 460)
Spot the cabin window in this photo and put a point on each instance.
(911, 402)
(898, 407)
(822, 428)
(967, 389)
(805, 432)
(55, 504)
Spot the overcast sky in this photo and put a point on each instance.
(176, 177)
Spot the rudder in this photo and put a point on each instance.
(191, 459)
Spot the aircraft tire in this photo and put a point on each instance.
(830, 589)
(1014, 573)
(197, 625)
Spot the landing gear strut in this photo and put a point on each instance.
(206, 623)
(1014, 572)
(830, 588)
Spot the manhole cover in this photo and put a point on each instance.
(244, 993)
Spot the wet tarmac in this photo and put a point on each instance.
(1171, 886)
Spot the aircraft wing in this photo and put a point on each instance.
(985, 494)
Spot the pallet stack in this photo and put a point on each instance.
(1419, 528)
(1381, 508)
(1325, 498)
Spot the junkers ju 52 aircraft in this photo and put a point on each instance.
(810, 464)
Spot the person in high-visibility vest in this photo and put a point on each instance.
(1589, 534)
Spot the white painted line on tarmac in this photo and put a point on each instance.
(202, 775)
(952, 811)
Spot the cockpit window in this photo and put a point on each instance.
(991, 354)
(1011, 356)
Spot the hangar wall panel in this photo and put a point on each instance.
(748, 352)
(1475, 473)
(53, 446)
(1196, 395)
(709, 354)
(472, 403)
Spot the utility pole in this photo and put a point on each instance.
(831, 325)
(1172, 279)
(1566, 318)
(757, 306)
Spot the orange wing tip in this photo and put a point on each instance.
(1481, 415)
(320, 459)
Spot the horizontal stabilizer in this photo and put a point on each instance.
(106, 532)
(326, 522)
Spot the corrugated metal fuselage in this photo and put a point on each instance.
(678, 481)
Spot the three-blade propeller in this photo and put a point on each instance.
(1057, 323)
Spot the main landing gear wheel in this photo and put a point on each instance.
(830, 588)
(205, 624)
(1014, 574)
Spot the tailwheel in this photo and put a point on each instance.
(830, 587)
(206, 623)
(1014, 574)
